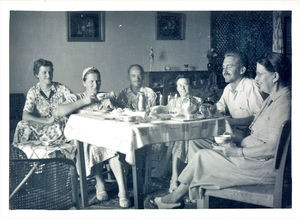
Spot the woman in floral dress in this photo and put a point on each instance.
(44, 114)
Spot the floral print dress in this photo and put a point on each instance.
(37, 103)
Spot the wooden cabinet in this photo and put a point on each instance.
(164, 81)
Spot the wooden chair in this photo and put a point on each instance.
(263, 195)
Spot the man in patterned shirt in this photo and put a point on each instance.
(128, 97)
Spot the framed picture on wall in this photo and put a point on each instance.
(86, 26)
(170, 26)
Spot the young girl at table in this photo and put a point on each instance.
(94, 155)
(185, 103)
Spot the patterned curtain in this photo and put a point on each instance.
(248, 31)
(277, 32)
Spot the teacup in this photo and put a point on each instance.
(222, 139)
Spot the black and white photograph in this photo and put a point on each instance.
(112, 110)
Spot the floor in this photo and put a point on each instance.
(160, 188)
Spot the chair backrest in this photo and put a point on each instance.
(16, 153)
(283, 144)
(52, 185)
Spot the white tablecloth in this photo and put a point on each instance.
(126, 137)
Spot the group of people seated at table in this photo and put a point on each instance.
(247, 159)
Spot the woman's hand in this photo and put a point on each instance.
(231, 150)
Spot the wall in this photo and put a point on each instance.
(36, 35)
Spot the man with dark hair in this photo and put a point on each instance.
(128, 97)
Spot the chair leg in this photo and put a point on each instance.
(110, 177)
(74, 182)
(203, 203)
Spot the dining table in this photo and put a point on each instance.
(132, 139)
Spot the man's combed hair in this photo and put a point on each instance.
(240, 55)
(136, 66)
(41, 62)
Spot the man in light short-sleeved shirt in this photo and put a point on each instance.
(241, 97)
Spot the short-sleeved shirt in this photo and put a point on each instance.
(128, 99)
(242, 102)
(41, 105)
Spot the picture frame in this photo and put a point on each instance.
(170, 26)
(86, 26)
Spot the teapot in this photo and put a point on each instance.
(189, 106)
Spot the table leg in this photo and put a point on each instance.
(148, 169)
(138, 178)
(82, 177)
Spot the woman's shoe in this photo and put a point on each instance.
(102, 195)
(173, 185)
(124, 202)
(162, 205)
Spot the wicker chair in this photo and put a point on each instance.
(41, 183)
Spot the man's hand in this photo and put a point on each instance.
(155, 110)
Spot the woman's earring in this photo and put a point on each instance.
(276, 77)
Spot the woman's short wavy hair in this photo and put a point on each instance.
(276, 62)
(180, 76)
(41, 62)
